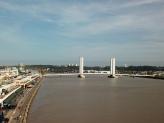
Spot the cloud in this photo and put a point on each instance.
(75, 12)
(140, 3)
(93, 18)
(78, 21)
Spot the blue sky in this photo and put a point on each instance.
(59, 31)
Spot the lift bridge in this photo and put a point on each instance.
(111, 73)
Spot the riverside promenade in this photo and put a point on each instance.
(20, 113)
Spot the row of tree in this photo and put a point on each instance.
(75, 69)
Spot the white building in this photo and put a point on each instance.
(9, 72)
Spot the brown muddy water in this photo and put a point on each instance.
(98, 99)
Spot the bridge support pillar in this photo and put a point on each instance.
(81, 68)
(112, 68)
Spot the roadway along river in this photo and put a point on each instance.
(69, 99)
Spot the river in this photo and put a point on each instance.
(98, 99)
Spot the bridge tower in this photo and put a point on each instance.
(81, 68)
(112, 68)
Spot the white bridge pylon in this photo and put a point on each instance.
(81, 68)
(112, 68)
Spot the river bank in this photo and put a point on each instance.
(20, 113)
(152, 77)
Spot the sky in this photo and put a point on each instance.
(60, 31)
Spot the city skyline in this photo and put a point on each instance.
(60, 31)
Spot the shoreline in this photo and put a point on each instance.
(25, 117)
(151, 77)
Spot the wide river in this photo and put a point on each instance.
(98, 99)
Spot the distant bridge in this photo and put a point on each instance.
(108, 73)
(74, 74)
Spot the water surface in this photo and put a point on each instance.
(98, 99)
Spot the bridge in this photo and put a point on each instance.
(81, 73)
(111, 73)
(75, 74)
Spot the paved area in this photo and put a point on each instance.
(18, 114)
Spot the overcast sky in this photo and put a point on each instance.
(59, 31)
